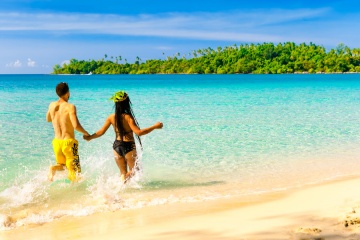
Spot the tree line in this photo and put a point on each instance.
(265, 58)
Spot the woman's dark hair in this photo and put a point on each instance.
(62, 89)
(121, 108)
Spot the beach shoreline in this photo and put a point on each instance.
(314, 212)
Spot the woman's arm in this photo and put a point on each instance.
(101, 131)
(135, 128)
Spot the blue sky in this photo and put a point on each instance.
(37, 34)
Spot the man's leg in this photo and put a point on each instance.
(71, 153)
(53, 169)
(59, 157)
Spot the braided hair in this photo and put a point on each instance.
(123, 107)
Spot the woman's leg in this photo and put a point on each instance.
(121, 163)
(130, 159)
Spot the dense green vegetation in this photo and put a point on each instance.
(248, 58)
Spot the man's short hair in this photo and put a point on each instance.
(62, 89)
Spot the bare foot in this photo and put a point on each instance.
(123, 178)
(51, 174)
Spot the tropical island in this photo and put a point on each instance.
(265, 58)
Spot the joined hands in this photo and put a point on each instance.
(87, 137)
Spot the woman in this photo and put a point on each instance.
(125, 125)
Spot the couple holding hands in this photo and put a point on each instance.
(63, 116)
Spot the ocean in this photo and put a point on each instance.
(224, 136)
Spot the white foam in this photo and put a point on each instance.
(28, 192)
(6, 222)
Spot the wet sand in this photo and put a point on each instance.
(326, 211)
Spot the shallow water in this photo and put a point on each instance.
(224, 136)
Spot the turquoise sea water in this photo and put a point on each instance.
(224, 136)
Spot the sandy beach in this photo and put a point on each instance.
(326, 211)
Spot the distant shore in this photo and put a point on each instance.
(265, 58)
(219, 74)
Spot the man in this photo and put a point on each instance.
(64, 119)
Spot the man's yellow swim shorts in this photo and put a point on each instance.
(66, 153)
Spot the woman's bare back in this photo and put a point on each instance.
(129, 136)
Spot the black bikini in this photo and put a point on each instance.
(122, 148)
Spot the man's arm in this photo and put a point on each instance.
(75, 121)
(48, 115)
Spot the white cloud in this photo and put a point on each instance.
(16, 64)
(31, 63)
(229, 26)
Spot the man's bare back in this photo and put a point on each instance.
(60, 112)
